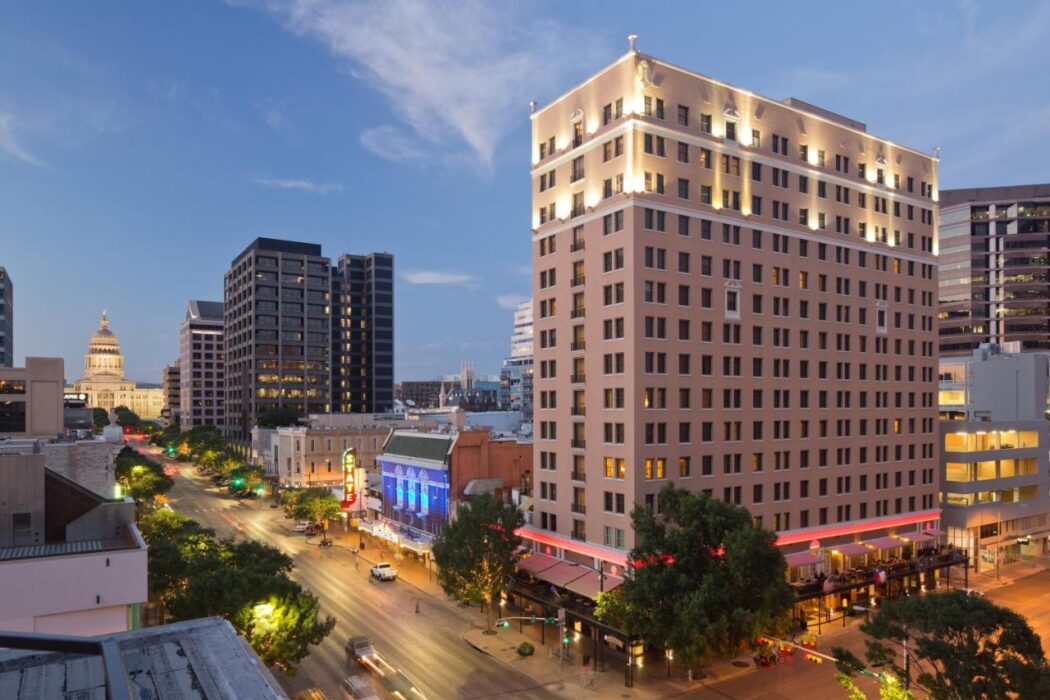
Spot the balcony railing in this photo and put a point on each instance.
(578, 476)
(580, 536)
(578, 345)
(579, 443)
(578, 312)
(579, 508)
(578, 378)
(576, 246)
(577, 281)
(578, 411)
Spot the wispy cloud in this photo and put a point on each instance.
(392, 143)
(435, 277)
(510, 301)
(10, 148)
(455, 73)
(299, 185)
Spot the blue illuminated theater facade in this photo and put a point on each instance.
(415, 468)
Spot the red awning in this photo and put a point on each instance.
(803, 559)
(562, 574)
(916, 537)
(884, 543)
(934, 531)
(853, 549)
(590, 584)
(535, 563)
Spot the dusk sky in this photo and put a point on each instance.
(144, 144)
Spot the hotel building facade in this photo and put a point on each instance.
(735, 295)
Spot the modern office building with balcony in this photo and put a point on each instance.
(7, 320)
(994, 268)
(363, 333)
(734, 295)
(995, 472)
(201, 366)
(516, 372)
(277, 341)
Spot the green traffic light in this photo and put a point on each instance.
(505, 624)
(565, 640)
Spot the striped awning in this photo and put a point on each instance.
(535, 563)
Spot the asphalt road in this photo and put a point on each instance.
(426, 646)
(1028, 596)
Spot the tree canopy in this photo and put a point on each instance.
(476, 552)
(316, 505)
(705, 581)
(126, 418)
(141, 478)
(960, 647)
(193, 574)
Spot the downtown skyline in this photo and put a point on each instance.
(174, 137)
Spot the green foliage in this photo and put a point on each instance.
(611, 608)
(278, 418)
(100, 417)
(476, 552)
(141, 478)
(960, 647)
(193, 574)
(317, 505)
(126, 417)
(526, 649)
(890, 688)
(707, 580)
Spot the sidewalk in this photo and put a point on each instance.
(1008, 573)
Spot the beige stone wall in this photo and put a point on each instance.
(88, 463)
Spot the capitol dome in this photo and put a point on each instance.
(103, 358)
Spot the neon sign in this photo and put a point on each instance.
(349, 478)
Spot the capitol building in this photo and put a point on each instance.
(104, 384)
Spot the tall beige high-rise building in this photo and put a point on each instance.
(734, 295)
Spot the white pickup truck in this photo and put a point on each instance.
(383, 571)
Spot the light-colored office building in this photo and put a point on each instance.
(994, 268)
(516, 373)
(735, 295)
(31, 399)
(201, 365)
(995, 470)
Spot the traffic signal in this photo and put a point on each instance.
(532, 618)
(815, 659)
(566, 639)
(549, 620)
(238, 482)
(504, 624)
(170, 450)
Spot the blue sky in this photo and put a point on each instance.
(143, 145)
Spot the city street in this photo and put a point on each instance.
(1028, 596)
(426, 646)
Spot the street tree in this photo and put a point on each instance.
(958, 646)
(141, 478)
(890, 688)
(126, 418)
(100, 418)
(192, 574)
(476, 552)
(317, 505)
(705, 579)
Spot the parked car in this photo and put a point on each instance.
(301, 526)
(383, 571)
(357, 688)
